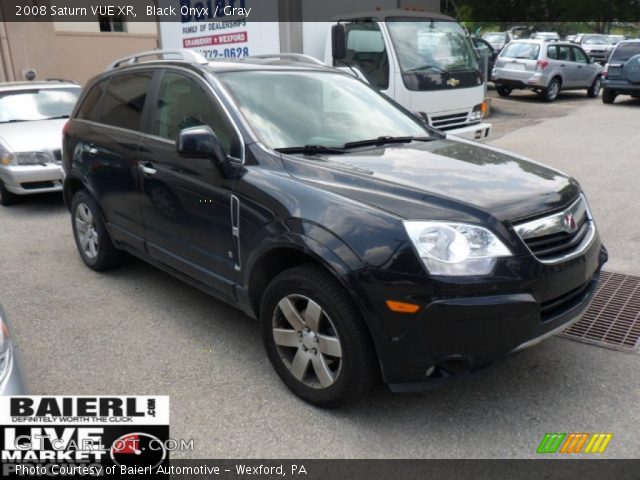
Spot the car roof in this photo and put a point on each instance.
(4, 86)
(543, 42)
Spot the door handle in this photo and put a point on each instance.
(92, 150)
(562, 65)
(147, 169)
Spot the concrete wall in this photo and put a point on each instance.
(75, 52)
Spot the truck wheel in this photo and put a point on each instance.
(6, 197)
(503, 90)
(91, 236)
(315, 337)
(594, 90)
(608, 95)
(552, 91)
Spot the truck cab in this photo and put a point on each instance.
(423, 61)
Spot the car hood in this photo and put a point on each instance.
(32, 136)
(449, 176)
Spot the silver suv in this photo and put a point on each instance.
(546, 68)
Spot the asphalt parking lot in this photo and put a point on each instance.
(139, 331)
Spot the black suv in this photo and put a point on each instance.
(621, 76)
(363, 241)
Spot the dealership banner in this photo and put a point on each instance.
(71, 436)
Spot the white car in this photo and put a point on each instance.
(32, 115)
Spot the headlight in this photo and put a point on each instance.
(478, 112)
(455, 248)
(27, 158)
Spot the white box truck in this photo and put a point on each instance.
(424, 61)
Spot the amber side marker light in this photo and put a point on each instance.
(402, 307)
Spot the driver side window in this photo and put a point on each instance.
(183, 103)
(366, 50)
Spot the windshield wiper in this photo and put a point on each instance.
(310, 149)
(428, 67)
(57, 117)
(386, 140)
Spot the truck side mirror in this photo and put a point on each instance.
(338, 42)
(201, 142)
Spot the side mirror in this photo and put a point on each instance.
(338, 42)
(201, 142)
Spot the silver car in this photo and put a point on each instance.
(32, 115)
(598, 47)
(546, 68)
(11, 382)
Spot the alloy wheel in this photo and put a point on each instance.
(307, 341)
(86, 230)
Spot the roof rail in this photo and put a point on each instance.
(295, 57)
(63, 80)
(182, 54)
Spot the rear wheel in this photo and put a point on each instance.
(6, 197)
(91, 236)
(315, 337)
(608, 95)
(503, 90)
(552, 91)
(594, 90)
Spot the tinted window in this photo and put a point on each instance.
(580, 56)
(521, 50)
(183, 103)
(124, 100)
(625, 51)
(89, 108)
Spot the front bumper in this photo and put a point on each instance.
(479, 131)
(32, 179)
(465, 324)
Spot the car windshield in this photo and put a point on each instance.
(439, 45)
(625, 51)
(527, 51)
(302, 108)
(37, 104)
(596, 40)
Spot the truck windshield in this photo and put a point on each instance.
(431, 45)
(319, 109)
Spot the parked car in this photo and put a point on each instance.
(11, 381)
(621, 75)
(545, 36)
(32, 115)
(597, 46)
(485, 49)
(363, 240)
(546, 68)
(498, 40)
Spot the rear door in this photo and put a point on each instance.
(187, 201)
(568, 66)
(109, 151)
(518, 61)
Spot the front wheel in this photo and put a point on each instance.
(594, 89)
(503, 90)
(6, 197)
(91, 236)
(608, 95)
(315, 337)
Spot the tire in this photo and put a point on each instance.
(94, 243)
(503, 90)
(608, 95)
(6, 197)
(552, 91)
(343, 367)
(594, 90)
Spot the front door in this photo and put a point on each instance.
(187, 202)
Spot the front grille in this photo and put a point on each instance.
(559, 305)
(451, 121)
(558, 236)
(37, 185)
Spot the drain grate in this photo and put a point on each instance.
(613, 319)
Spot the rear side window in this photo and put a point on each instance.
(89, 108)
(625, 51)
(552, 52)
(528, 51)
(124, 100)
